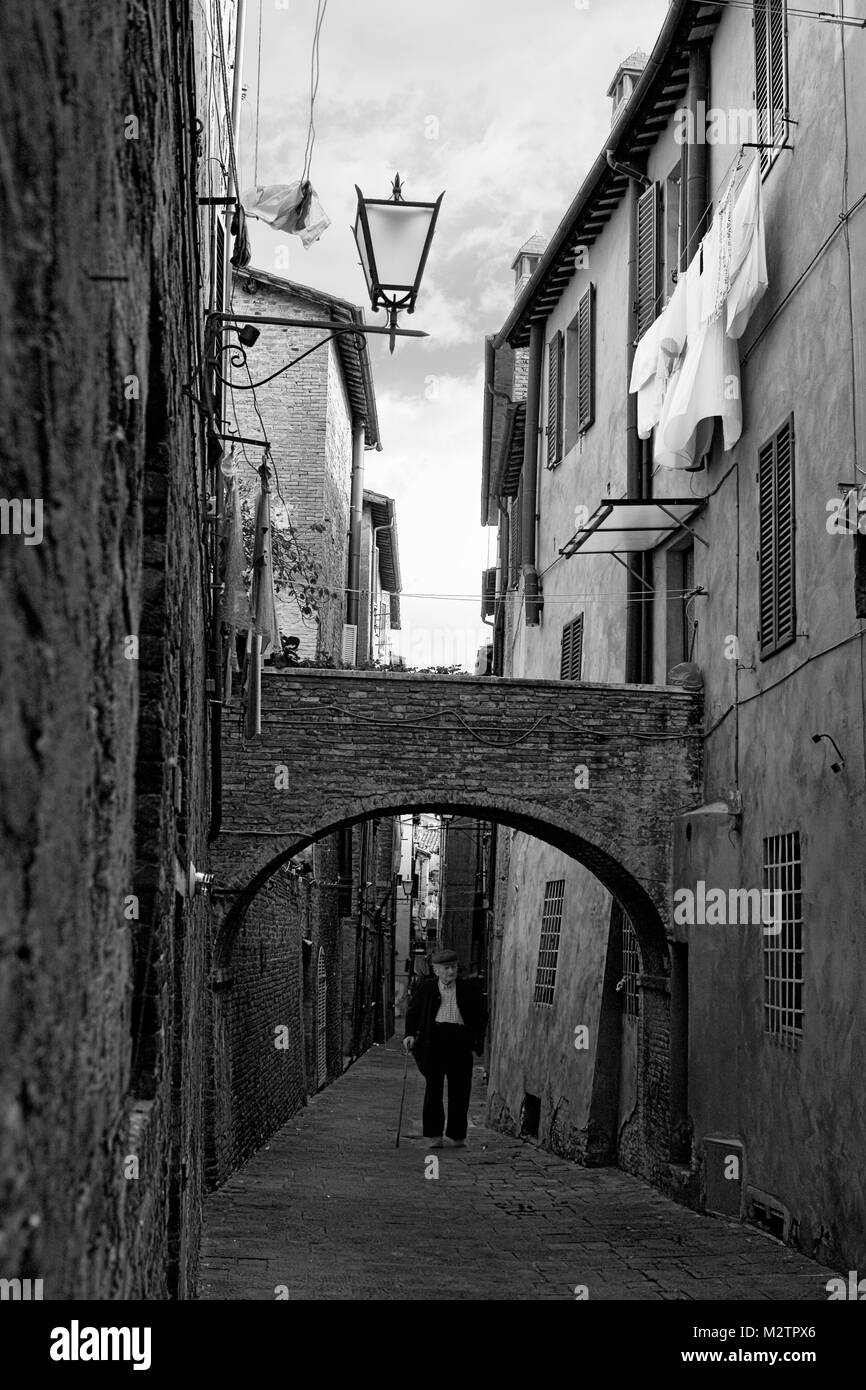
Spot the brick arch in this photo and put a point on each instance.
(254, 860)
(339, 747)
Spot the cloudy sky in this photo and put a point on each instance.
(503, 105)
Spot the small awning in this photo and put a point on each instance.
(630, 525)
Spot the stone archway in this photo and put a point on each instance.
(596, 771)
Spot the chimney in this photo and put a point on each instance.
(523, 265)
(526, 260)
(625, 80)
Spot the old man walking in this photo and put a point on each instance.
(445, 1023)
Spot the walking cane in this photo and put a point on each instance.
(402, 1098)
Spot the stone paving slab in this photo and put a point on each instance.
(331, 1210)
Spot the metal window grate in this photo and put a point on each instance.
(630, 968)
(783, 951)
(321, 1021)
(548, 948)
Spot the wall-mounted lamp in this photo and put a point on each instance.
(834, 767)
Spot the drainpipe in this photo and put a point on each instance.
(634, 455)
(356, 513)
(531, 588)
(696, 160)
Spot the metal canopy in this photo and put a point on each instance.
(630, 524)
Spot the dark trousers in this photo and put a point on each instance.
(449, 1058)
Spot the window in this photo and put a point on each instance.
(548, 948)
(648, 283)
(783, 951)
(571, 657)
(321, 1020)
(580, 369)
(771, 75)
(673, 230)
(682, 618)
(514, 537)
(555, 383)
(630, 969)
(777, 615)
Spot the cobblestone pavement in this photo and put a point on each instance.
(330, 1209)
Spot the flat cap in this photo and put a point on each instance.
(444, 957)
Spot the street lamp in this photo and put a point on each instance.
(393, 237)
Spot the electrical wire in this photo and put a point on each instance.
(258, 93)
(314, 87)
(825, 16)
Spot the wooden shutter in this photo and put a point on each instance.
(571, 658)
(488, 593)
(771, 74)
(514, 536)
(555, 384)
(586, 360)
(776, 580)
(648, 250)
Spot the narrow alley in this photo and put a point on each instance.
(330, 1209)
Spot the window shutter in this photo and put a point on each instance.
(771, 74)
(648, 243)
(571, 658)
(554, 400)
(586, 360)
(488, 593)
(776, 580)
(514, 535)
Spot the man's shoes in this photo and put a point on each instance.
(455, 1143)
(435, 1143)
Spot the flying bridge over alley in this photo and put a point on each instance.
(599, 771)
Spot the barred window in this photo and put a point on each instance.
(630, 968)
(783, 949)
(548, 948)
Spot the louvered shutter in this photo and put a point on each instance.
(648, 246)
(776, 580)
(554, 400)
(488, 593)
(514, 536)
(771, 74)
(571, 657)
(586, 360)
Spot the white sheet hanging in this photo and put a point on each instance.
(748, 254)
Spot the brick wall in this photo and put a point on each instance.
(100, 1044)
(361, 743)
(307, 420)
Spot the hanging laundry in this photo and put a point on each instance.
(292, 207)
(708, 382)
(241, 252)
(748, 254)
(235, 607)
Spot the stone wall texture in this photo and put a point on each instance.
(103, 762)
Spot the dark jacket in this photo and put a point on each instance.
(424, 1006)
